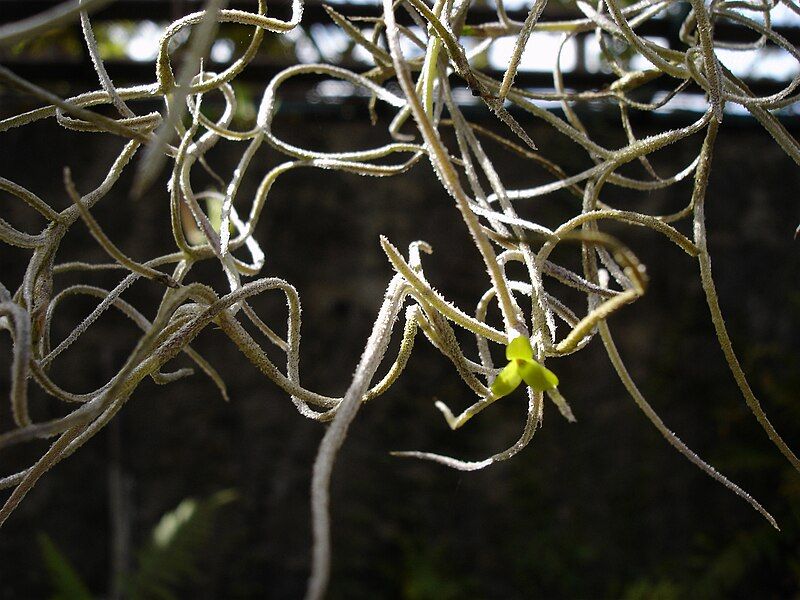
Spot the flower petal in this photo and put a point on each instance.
(536, 376)
(520, 347)
(507, 381)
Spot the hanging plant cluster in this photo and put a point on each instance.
(218, 225)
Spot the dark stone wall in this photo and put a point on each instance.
(590, 509)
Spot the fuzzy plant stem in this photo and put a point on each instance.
(335, 435)
(443, 167)
(698, 200)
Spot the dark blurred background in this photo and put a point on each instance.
(600, 508)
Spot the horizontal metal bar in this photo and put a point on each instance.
(162, 10)
(131, 72)
(165, 10)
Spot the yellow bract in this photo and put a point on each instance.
(522, 367)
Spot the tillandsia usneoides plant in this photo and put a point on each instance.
(424, 106)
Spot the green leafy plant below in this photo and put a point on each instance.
(168, 559)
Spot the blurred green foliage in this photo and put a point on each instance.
(168, 561)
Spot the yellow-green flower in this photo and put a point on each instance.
(522, 367)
